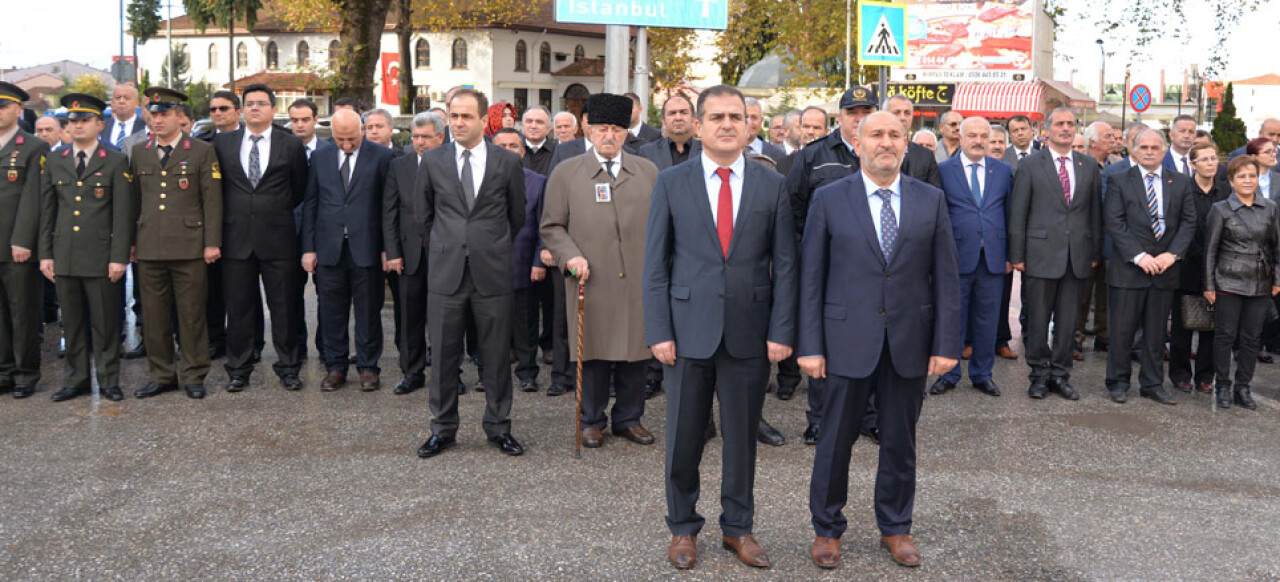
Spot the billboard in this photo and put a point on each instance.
(969, 40)
(707, 14)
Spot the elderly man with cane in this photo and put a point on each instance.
(593, 222)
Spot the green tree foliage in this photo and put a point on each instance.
(89, 85)
(177, 58)
(143, 17)
(198, 95)
(1228, 130)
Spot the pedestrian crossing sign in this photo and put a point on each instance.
(882, 33)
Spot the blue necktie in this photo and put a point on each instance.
(974, 185)
(120, 137)
(888, 223)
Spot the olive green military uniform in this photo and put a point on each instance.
(20, 162)
(179, 209)
(86, 222)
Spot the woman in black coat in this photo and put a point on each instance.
(1211, 187)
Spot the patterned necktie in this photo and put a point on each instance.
(1064, 178)
(345, 170)
(888, 223)
(80, 165)
(1152, 208)
(120, 137)
(974, 185)
(724, 211)
(1186, 170)
(468, 179)
(164, 160)
(255, 162)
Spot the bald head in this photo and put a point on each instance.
(975, 138)
(346, 127)
(1270, 129)
(124, 101)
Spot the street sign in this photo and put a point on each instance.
(882, 33)
(1140, 98)
(706, 14)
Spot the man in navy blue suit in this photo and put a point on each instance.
(977, 187)
(342, 245)
(879, 311)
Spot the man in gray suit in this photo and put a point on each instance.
(474, 206)
(1021, 143)
(679, 145)
(755, 121)
(719, 305)
(1055, 239)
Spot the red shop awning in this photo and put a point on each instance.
(1000, 100)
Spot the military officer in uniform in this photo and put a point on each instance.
(86, 227)
(178, 194)
(21, 156)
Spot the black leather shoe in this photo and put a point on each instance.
(194, 391)
(237, 383)
(479, 386)
(1158, 394)
(1037, 390)
(652, 388)
(507, 444)
(766, 434)
(873, 434)
(135, 353)
(940, 387)
(811, 434)
(69, 393)
(153, 389)
(556, 389)
(1265, 358)
(290, 382)
(529, 386)
(786, 392)
(1245, 399)
(1061, 386)
(23, 390)
(408, 385)
(1119, 395)
(1224, 397)
(435, 445)
(113, 394)
(987, 387)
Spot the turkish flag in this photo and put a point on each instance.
(391, 78)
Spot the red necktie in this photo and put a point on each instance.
(1064, 178)
(724, 211)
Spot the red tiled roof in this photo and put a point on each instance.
(281, 81)
(582, 68)
(1269, 79)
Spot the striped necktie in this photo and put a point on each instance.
(120, 137)
(1152, 208)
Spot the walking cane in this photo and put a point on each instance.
(577, 416)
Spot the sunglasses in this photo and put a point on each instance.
(221, 108)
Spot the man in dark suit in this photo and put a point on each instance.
(342, 244)
(919, 162)
(755, 121)
(1151, 215)
(1182, 135)
(404, 234)
(302, 122)
(527, 269)
(879, 311)
(475, 204)
(538, 147)
(266, 177)
(679, 145)
(125, 120)
(640, 133)
(977, 188)
(1021, 143)
(1269, 129)
(1055, 239)
(719, 307)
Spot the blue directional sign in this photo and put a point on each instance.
(707, 14)
(882, 33)
(1140, 98)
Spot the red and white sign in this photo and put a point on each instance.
(969, 40)
(391, 78)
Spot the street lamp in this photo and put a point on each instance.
(1102, 76)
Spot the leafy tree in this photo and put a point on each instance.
(670, 57)
(1228, 131)
(751, 34)
(144, 19)
(198, 95)
(808, 35)
(224, 13)
(89, 85)
(178, 58)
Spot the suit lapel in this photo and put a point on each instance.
(963, 176)
(703, 204)
(741, 220)
(857, 198)
(490, 170)
(452, 178)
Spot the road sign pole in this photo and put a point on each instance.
(848, 43)
(642, 68)
(615, 59)
(883, 85)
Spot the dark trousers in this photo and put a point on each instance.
(524, 332)
(445, 325)
(1003, 334)
(240, 289)
(817, 401)
(393, 283)
(413, 323)
(900, 400)
(788, 373)
(1044, 300)
(1237, 319)
(979, 310)
(562, 373)
(341, 287)
(546, 312)
(48, 301)
(301, 321)
(1094, 293)
(216, 308)
(628, 381)
(1131, 310)
(19, 324)
(1180, 350)
(165, 286)
(91, 300)
(739, 385)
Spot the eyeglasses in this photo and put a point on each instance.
(221, 108)
(257, 104)
(1205, 159)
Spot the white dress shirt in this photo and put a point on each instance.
(786, 148)
(982, 173)
(1159, 186)
(1071, 168)
(479, 154)
(312, 145)
(712, 181)
(877, 203)
(617, 162)
(532, 147)
(757, 146)
(264, 151)
(122, 129)
(636, 130)
(1264, 184)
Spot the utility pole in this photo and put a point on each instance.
(848, 44)
(169, 39)
(120, 70)
(615, 58)
(642, 67)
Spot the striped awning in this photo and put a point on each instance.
(999, 99)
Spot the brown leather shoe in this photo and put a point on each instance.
(902, 549)
(1007, 353)
(748, 551)
(683, 552)
(636, 434)
(825, 552)
(592, 437)
(333, 381)
(967, 353)
(369, 381)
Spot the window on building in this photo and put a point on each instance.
(273, 56)
(304, 54)
(579, 53)
(544, 97)
(334, 50)
(242, 56)
(422, 54)
(544, 58)
(459, 53)
(522, 56)
(521, 99)
(213, 57)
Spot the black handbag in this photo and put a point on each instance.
(1197, 313)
